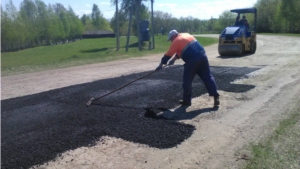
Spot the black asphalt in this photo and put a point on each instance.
(39, 127)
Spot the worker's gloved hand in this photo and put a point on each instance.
(171, 62)
(159, 67)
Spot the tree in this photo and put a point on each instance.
(87, 22)
(157, 23)
(84, 19)
(9, 27)
(227, 18)
(196, 25)
(117, 26)
(42, 20)
(28, 13)
(97, 17)
(37, 24)
(137, 21)
(5, 25)
(190, 25)
(140, 12)
(290, 10)
(266, 20)
(54, 27)
(123, 19)
(56, 30)
(75, 25)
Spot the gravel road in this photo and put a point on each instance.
(45, 122)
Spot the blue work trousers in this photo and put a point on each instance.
(198, 65)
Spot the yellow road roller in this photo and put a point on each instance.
(238, 39)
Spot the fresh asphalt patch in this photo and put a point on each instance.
(39, 127)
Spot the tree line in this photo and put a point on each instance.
(278, 16)
(273, 16)
(38, 24)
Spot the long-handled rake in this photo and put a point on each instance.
(94, 99)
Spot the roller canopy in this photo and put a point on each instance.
(244, 10)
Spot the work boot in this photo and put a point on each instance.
(184, 103)
(216, 100)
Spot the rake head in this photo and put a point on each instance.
(90, 101)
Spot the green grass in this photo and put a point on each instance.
(281, 149)
(86, 51)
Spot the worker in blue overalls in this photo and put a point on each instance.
(186, 47)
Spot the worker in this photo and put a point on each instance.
(244, 22)
(186, 47)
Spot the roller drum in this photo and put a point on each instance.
(230, 50)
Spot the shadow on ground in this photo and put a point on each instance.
(179, 113)
(232, 56)
(94, 50)
(37, 128)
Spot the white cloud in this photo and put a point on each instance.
(167, 5)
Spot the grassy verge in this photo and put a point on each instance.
(281, 34)
(281, 149)
(86, 51)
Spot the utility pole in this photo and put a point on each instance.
(137, 17)
(117, 26)
(129, 26)
(152, 23)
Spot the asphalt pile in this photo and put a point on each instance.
(37, 128)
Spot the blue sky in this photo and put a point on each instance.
(202, 9)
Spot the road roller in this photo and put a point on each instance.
(239, 38)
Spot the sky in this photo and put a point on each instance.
(201, 9)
